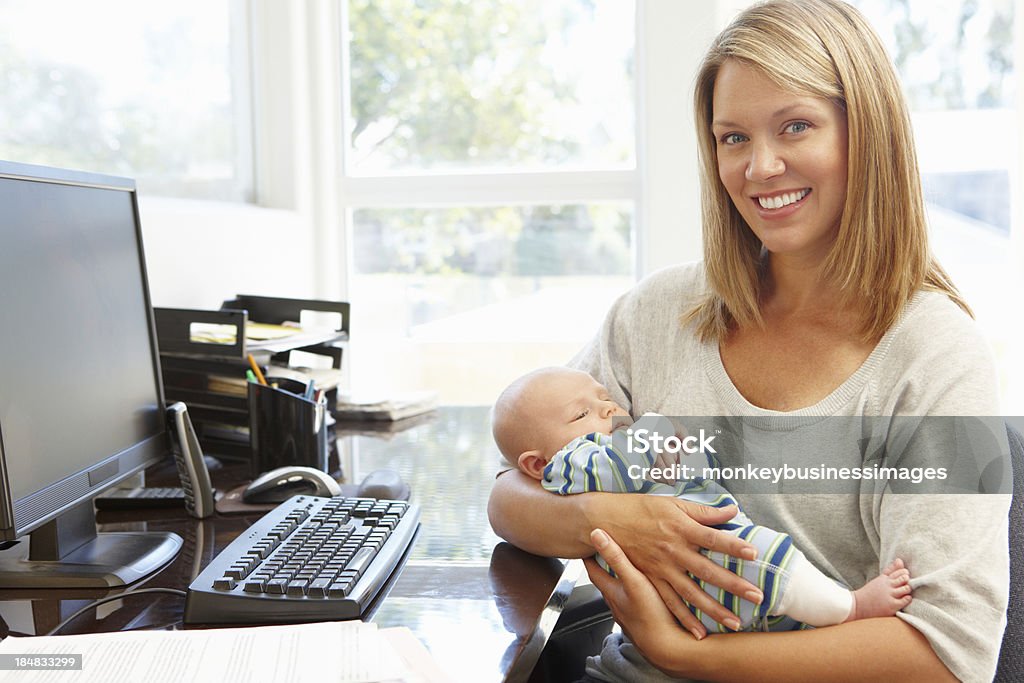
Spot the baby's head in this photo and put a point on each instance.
(542, 411)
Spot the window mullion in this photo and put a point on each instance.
(489, 188)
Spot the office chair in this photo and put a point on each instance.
(581, 629)
(1011, 659)
(586, 619)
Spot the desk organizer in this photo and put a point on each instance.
(208, 372)
(284, 427)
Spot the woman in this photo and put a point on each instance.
(817, 297)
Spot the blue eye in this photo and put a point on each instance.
(732, 139)
(798, 127)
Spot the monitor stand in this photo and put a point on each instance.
(69, 553)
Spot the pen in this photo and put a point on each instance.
(251, 376)
(309, 391)
(256, 370)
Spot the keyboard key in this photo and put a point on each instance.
(361, 560)
(238, 571)
(224, 583)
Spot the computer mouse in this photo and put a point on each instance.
(292, 480)
(383, 485)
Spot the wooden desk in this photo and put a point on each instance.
(482, 607)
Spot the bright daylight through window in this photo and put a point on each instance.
(137, 89)
(507, 100)
(956, 62)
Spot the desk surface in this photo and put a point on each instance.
(483, 608)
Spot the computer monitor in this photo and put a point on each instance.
(81, 400)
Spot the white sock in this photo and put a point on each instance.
(812, 597)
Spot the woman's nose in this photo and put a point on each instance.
(764, 164)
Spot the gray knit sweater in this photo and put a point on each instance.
(933, 361)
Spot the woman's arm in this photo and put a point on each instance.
(662, 536)
(870, 649)
(521, 511)
(883, 649)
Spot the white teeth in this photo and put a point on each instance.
(782, 200)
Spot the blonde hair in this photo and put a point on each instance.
(880, 257)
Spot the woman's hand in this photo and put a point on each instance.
(661, 536)
(639, 609)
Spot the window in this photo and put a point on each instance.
(955, 60)
(150, 91)
(527, 84)
(956, 66)
(489, 185)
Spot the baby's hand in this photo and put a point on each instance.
(664, 460)
(668, 463)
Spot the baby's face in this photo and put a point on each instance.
(568, 404)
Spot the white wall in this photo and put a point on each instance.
(200, 253)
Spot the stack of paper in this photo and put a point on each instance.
(393, 407)
(323, 378)
(351, 651)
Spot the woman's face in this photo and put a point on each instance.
(782, 159)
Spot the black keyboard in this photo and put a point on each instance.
(132, 499)
(308, 559)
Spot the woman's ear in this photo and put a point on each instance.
(532, 464)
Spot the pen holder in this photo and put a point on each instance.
(284, 427)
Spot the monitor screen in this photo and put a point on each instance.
(81, 404)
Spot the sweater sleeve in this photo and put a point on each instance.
(954, 544)
(955, 548)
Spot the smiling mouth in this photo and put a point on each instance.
(782, 200)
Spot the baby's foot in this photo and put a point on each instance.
(884, 595)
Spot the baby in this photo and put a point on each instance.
(555, 425)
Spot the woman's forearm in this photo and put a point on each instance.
(527, 516)
(883, 649)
